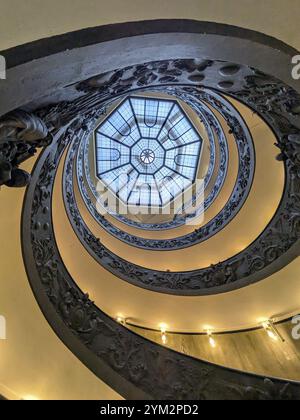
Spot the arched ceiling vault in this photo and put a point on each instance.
(237, 310)
(268, 17)
(258, 210)
(229, 271)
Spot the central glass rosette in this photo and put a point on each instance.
(147, 156)
(147, 151)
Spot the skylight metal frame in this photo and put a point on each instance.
(130, 128)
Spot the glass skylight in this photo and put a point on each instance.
(147, 151)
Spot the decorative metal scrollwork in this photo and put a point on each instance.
(238, 197)
(247, 267)
(134, 366)
(20, 136)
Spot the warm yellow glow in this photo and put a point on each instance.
(164, 338)
(272, 331)
(262, 321)
(211, 340)
(208, 328)
(121, 320)
(163, 327)
(30, 398)
(272, 335)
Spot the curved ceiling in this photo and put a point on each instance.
(252, 219)
(209, 151)
(23, 374)
(268, 17)
(241, 309)
(268, 211)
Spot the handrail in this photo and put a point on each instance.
(130, 364)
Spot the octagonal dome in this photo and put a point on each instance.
(147, 151)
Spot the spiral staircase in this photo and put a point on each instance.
(193, 303)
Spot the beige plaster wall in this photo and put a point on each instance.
(33, 361)
(24, 21)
